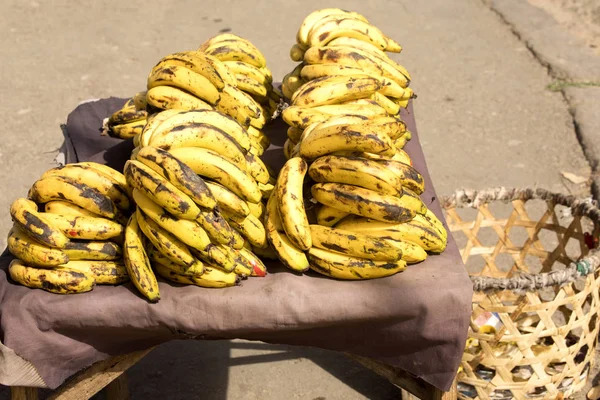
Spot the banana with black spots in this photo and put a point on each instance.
(197, 268)
(329, 216)
(59, 280)
(170, 97)
(36, 225)
(137, 262)
(32, 252)
(85, 228)
(409, 176)
(185, 79)
(93, 251)
(302, 117)
(335, 90)
(103, 272)
(250, 227)
(228, 201)
(211, 278)
(344, 267)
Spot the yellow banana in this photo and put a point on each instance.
(258, 135)
(257, 209)
(59, 280)
(291, 256)
(365, 202)
(178, 174)
(250, 227)
(211, 278)
(62, 188)
(353, 244)
(160, 191)
(137, 263)
(154, 122)
(189, 232)
(215, 226)
(260, 75)
(85, 228)
(266, 252)
(228, 201)
(355, 171)
(155, 256)
(372, 50)
(302, 117)
(288, 148)
(296, 53)
(31, 252)
(402, 156)
(250, 86)
(139, 100)
(220, 256)
(213, 166)
(294, 134)
(185, 79)
(127, 115)
(38, 226)
(290, 202)
(316, 16)
(344, 267)
(93, 251)
(257, 168)
(409, 177)
(237, 50)
(199, 62)
(266, 189)
(111, 173)
(329, 216)
(333, 27)
(258, 268)
(335, 90)
(238, 240)
(170, 97)
(239, 105)
(103, 272)
(433, 220)
(391, 107)
(421, 207)
(66, 208)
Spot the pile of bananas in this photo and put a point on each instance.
(128, 121)
(67, 236)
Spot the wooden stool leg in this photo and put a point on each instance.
(118, 389)
(452, 394)
(23, 393)
(406, 395)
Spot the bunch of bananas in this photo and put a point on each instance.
(344, 70)
(187, 229)
(129, 120)
(67, 235)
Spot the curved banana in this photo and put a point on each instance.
(216, 226)
(31, 252)
(127, 115)
(236, 50)
(250, 227)
(339, 266)
(353, 244)
(66, 208)
(161, 191)
(139, 100)
(63, 188)
(93, 251)
(170, 97)
(137, 262)
(111, 173)
(211, 278)
(354, 43)
(238, 241)
(185, 79)
(291, 256)
(316, 16)
(259, 136)
(335, 90)
(213, 166)
(250, 86)
(258, 267)
(266, 190)
(228, 201)
(365, 202)
(260, 75)
(256, 209)
(153, 122)
(88, 176)
(103, 272)
(391, 107)
(355, 171)
(333, 27)
(155, 256)
(266, 252)
(220, 256)
(59, 280)
(38, 226)
(402, 156)
(329, 216)
(189, 232)
(239, 105)
(290, 202)
(86, 228)
(409, 177)
(302, 117)
(178, 174)
(294, 134)
(199, 62)
(257, 168)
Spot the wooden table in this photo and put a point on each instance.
(111, 376)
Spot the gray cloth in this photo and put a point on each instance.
(416, 320)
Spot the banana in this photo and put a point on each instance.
(159, 190)
(291, 202)
(302, 117)
(127, 115)
(250, 86)
(256, 148)
(329, 216)
(266, 189)
(219, 256)
(421, 208)
(294, 134)
(185, 79)
(154, 122)
(237, 50)
(370, 49)
(242, 267)
(296, 53)
(365, 202)
(62, 188)
(213, 166)
(139, 100)
(38, 226)
(170, 97)
(239, 105)
(111, 173)
(316, 16)
(266, 252)
(199, 62)
(174, 249)
(335, 90)
(419, 231)
(409, 177)
(339, 266)
(66, 208)
(238, 240)
(31, 252)
(178, 174)
(353, 137)
(93, 251)
(59, 280)
(258, 268)
(288, 148)
(250, 227)
(291, 256)
(260, 136)
(257, 209)
(211, 278)
(290, 84)
(208, 117)
(353, 244)
(85, 228)
(257, 168)
(84, 175)
(333, 27)
(260, 75)
(402, 156)
(215, 226)
(355, 171)
(137, 263)
(391, 107)
(197, 268)
(228, 201)
(103, 272)
(189, 232)
(433, 220)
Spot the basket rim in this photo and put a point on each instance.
(525, 282)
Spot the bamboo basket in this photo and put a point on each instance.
(532, 257)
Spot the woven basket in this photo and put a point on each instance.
(534, 325)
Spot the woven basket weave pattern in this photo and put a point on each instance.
(542, 317)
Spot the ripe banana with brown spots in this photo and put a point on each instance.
(353, 244)
(59, 280)
(335, 90)
(32, 252)
(169, 97)
(86, 228)
(197, 268)
(93, 251)
(211, 278)
(66, 208)
(38, 226)
(329, 216)
(137, 262)
(409, 176)
(339, 266)
(104, 272)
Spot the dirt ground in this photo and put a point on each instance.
(580, 17)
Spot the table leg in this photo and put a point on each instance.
(452, 394)
(23, 393)
(118, 389)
